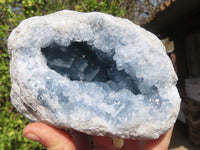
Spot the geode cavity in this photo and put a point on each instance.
(92, 72)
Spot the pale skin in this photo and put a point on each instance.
(57, 139)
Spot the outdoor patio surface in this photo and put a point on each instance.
(180, 138)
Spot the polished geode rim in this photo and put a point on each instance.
(27, 74)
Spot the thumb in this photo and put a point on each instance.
(50, 137)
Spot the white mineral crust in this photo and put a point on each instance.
(95, 73)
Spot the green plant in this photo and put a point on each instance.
(11, 126)
(106, 6)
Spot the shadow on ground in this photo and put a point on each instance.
(180, 139)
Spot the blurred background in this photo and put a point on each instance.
(175, 22)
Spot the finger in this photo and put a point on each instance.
(103, 143)
(133, 144)
(162, 143)
(50, 137)
(81, 140)
(106, 143)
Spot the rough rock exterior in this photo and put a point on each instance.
(92, 72)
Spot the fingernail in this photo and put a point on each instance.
(32, 137)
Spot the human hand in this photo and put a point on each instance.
(57, 139)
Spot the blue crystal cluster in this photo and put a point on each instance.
(82, 62)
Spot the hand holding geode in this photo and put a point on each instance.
(92, 72)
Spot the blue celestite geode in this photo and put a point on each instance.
(93, 72)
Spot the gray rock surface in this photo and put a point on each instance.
(98, 74)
